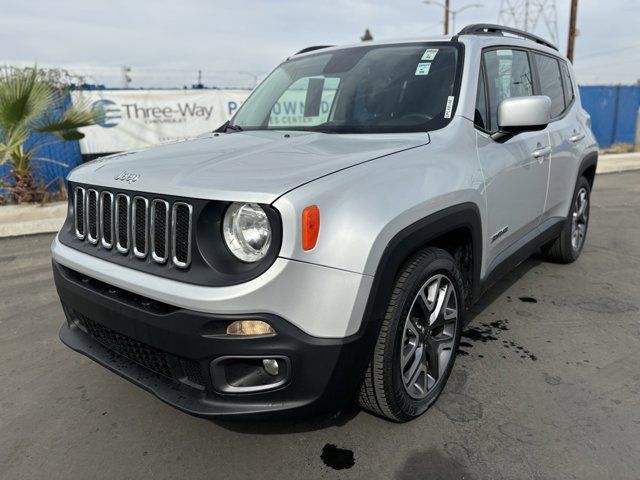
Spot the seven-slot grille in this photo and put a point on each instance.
(134, 224)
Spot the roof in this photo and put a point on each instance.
(483, 34)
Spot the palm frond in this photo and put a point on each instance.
(50, 160)
(23, 99)
(74, 117)
(12, 143)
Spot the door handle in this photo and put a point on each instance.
(541, 152)
(577, 137)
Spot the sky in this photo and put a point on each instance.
(235, 43)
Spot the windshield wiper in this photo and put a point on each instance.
(229, 126)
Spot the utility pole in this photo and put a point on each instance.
(446, 17)
(572, 29)
(448, 12)
(126, 79)
(199, 85)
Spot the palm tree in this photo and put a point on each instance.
(31, 103)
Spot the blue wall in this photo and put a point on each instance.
(613, 112)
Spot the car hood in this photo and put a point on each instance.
(254, 166)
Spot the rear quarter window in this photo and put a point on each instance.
(567, 85)
(550, 82)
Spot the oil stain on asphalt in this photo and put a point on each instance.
(488, 332)
(337, 458)
(528, 300)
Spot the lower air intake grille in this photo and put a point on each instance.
(158, 361)
(145, 355)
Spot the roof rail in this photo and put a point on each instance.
(490, 29)
(311, 49)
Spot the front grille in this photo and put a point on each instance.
(123, 222)
(135, 225)
(78, 218)
(181, 223)
(159, 224)
(140, 226)
(106, 219)
(154, 359)
(92, 216)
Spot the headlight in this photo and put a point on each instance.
(247, 231)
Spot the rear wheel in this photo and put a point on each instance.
(417, 344)
(568, 246)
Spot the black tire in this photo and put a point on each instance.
(383, 391)
(563, 249)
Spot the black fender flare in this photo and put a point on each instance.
(406, 242)
(588, 161)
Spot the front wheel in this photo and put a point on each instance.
(568, 246)
(418, 340)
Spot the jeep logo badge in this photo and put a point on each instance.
(128, 177)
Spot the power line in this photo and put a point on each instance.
(526, 14)
(608, 52)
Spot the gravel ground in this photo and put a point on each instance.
(547, 386)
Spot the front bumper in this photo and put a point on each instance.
(167, 350)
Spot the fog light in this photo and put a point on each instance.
(250, 328)
(271, 366)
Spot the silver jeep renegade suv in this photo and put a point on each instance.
(325, 243)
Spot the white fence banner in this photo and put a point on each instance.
(140, 118)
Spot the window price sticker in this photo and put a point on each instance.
(423, 68)
(429, 54)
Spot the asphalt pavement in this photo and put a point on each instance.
(547, 386)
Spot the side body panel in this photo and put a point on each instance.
(571, 141)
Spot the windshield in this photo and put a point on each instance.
(368, 89)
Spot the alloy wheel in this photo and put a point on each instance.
(429, 336)
(579, 219)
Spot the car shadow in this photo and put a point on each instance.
(501, 286)
(434, 464)
(282, 426)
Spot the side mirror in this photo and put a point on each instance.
(522, 114)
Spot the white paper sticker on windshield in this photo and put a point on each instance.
(449, 107)
(504, 53)
(429, 54)
(423, 69)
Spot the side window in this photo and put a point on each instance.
(307, 101)
(550, 82)
(568, 86)
(508, 75)
(480, 115)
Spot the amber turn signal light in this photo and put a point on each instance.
(250, 328)
(310, 227)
